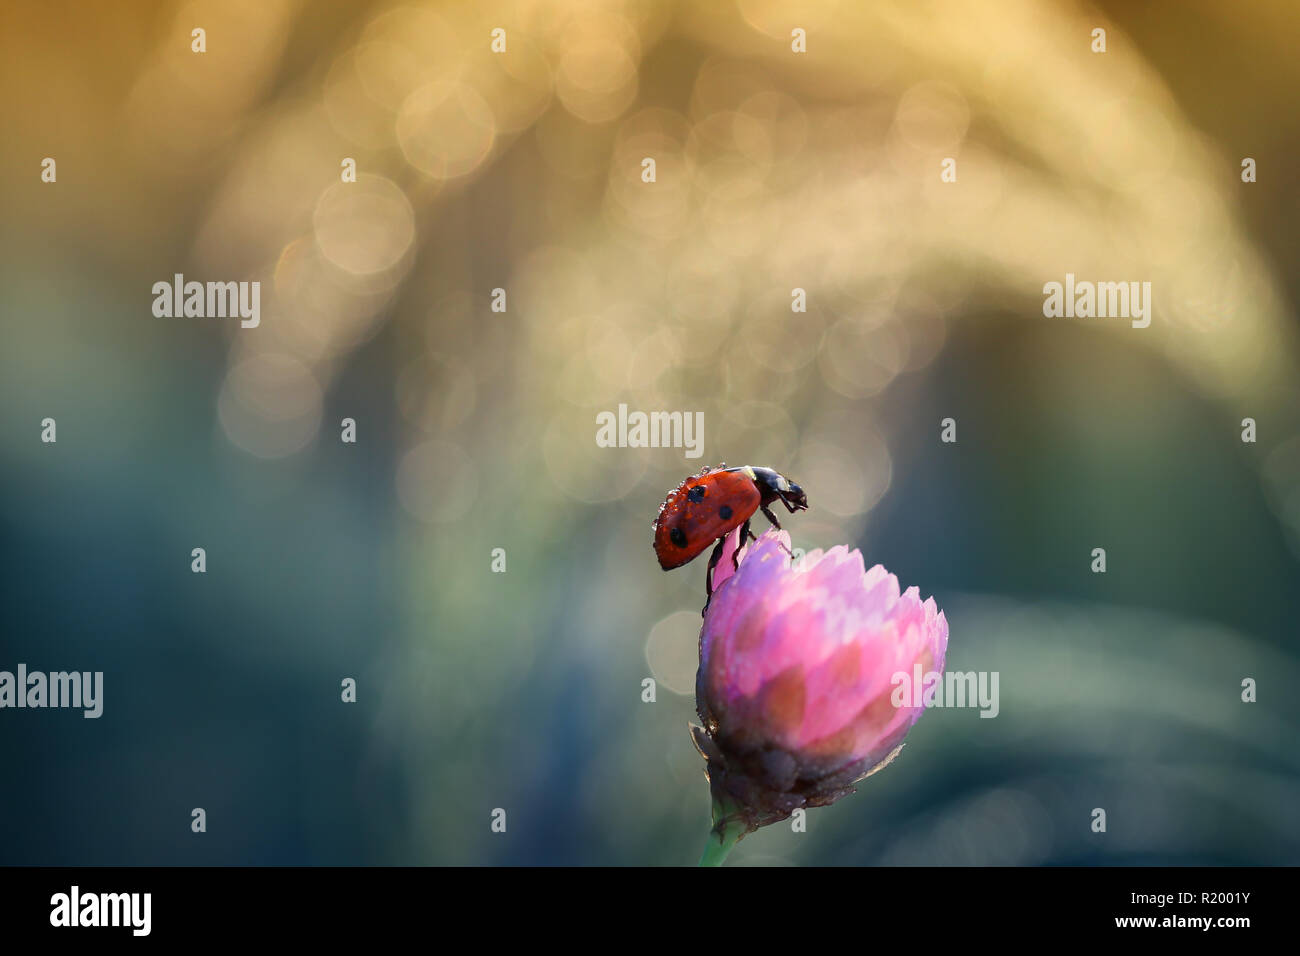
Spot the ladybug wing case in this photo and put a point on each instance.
(687, 524)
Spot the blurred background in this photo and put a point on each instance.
(475, 429)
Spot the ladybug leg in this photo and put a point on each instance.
(708, 575)
(772, 518)
(745, 533)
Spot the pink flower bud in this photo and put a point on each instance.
(796, 677)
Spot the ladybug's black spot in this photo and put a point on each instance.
(725, 512)
(677, 537)
(696, 493)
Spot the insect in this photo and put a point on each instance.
(705, 508)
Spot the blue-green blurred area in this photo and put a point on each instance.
(522, 690)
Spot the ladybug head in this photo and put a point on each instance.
(794, 496)
(774, 485)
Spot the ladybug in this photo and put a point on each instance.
(707, 507)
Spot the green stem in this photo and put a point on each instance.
(722, 838)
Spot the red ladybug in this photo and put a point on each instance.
(705, 508)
